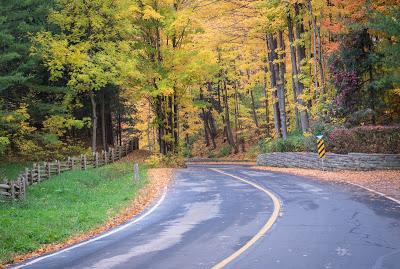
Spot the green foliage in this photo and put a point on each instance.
(169, 160)
(94, 46)
(85, 198)
(11, 170)
(295, 142)
(4, 143)
(226, 150)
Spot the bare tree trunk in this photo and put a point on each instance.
(253, 108)
(160, 121)
(94, 122)
(205, 123)
(301, 54)
(317, 49)
(119, 132)
(281, 84)
(176, 123)
(103, 121)
(266, 102)
(206, 133)
(295, 79)
(211, 128)
(236, 112)
(271, 57)
(228, 122)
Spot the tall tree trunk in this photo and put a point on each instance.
(266, 101)
(281, 83)
(109, 125)
(206, 128)
(301, 54)
(205, 122)
(228, 122)
(317, 48)
(103, 121)
(119, 132)
(253, 108)
(94, 122)
(160, 122)
(176, 123)
(271, 57)
(170, 128)
(211, 127)
(295, 79)
(236, 111)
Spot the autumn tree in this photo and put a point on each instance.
(94, 48)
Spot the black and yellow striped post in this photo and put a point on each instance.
(321, 148)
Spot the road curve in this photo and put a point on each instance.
(207, 216)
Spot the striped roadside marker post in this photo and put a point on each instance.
(321, 149)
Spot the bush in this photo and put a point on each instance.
(294, 142)
(169, 160)
(365, 139)
(225, 151)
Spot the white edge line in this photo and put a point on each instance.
(360, 186)
(376, 192)
(113, 231)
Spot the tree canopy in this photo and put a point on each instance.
(176, 71)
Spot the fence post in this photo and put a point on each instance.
(105, 157)
(112, 155)
(135, 173)
(58, 167)
(21, 183)
(119, 153)
(39, 176)
(97, 159)
(26, 174)
(23, 187)
(84, 162)
(48, 169)
(12, 190)
(94, 159)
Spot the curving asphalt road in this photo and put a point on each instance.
(206, 216)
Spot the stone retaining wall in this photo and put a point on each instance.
(351, 161)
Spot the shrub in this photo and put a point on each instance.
(365, 139)
(153, 161)
(294, 142)
(169, 160)
(225, 151)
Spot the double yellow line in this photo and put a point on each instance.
(267, 226)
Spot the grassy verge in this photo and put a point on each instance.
(66, 205)
(11, 170)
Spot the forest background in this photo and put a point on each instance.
(199, 78)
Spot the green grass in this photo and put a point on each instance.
(65, 205)
(11, 170)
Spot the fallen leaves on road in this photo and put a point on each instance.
(387, 182)
(224, 162)
(158, 180)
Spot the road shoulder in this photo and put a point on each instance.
(386, 183)
(158, 180)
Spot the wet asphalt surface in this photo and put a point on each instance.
(206, 216)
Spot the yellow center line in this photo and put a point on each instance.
(267, 226)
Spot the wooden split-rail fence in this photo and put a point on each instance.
(17, 189)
